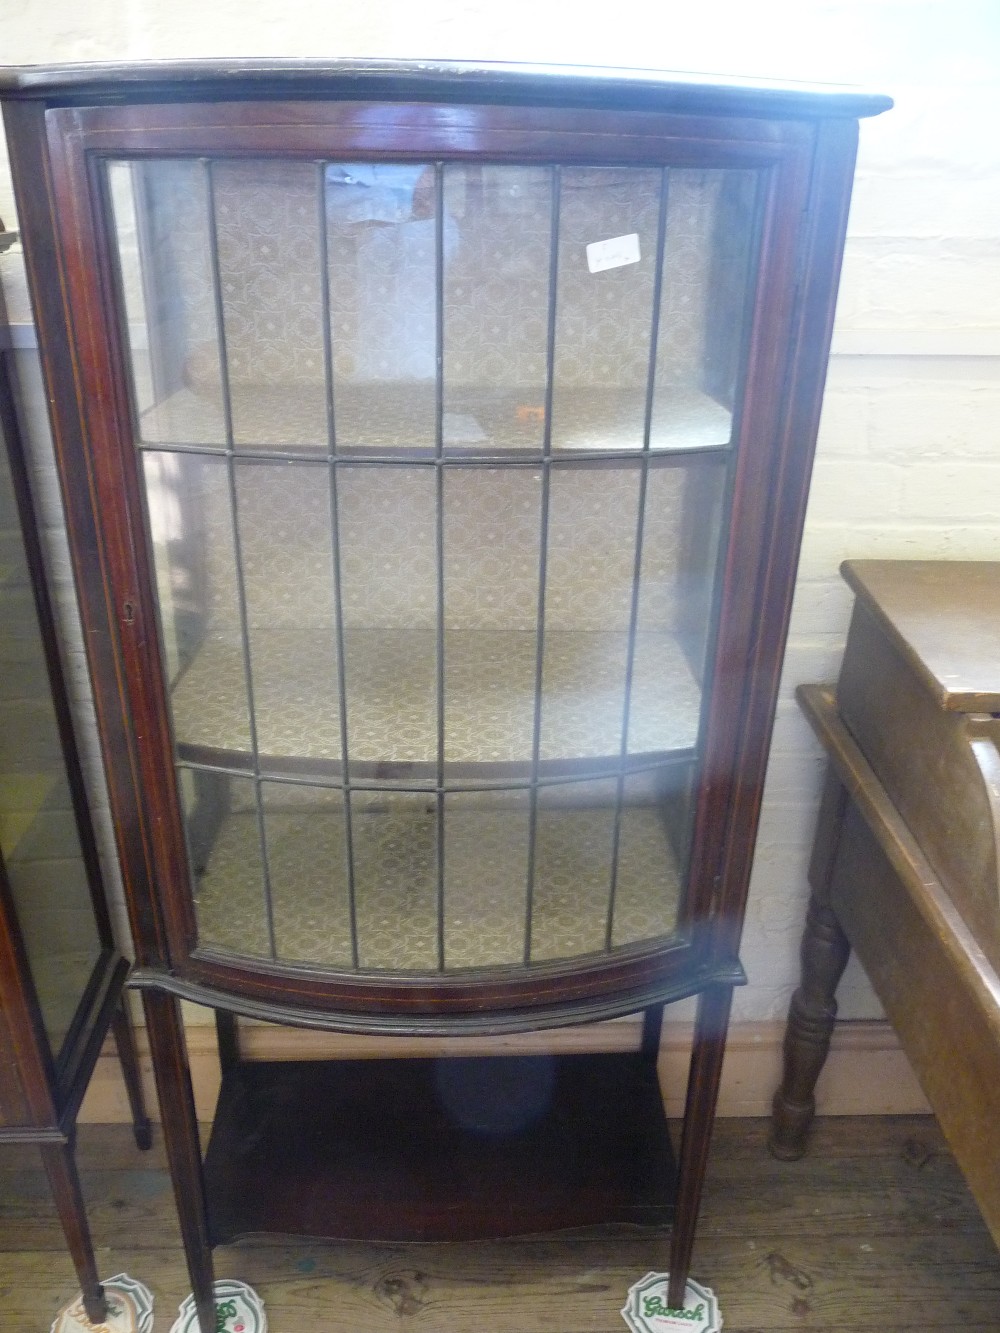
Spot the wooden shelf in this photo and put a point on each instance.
(404, 1150)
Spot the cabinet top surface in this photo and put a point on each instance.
(944, 615)
(567, 85)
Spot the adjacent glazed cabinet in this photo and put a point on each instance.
(435, 442)
(61, 976)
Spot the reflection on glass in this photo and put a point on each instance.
(401, 246)
(306, 834)
(604, 317)
(270, 277)
(382, 244)
(164, 244)
(39, 841)
(224, 844)
(191, 526)
(588, 598)
(487, 838)
(394, 840)
(653, 840)
(681, 532)
(499, 225)
(389, 591)
(492, 530)
(706, 288)
(284, 523)
(574, 846)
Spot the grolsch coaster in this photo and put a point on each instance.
(647, 1310)
(238, 1309)
(130, 1310)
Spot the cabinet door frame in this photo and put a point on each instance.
(806, 166)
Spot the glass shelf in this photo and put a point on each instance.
(391, 696)
(481, 421)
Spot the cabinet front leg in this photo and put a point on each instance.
(811, 1015)
(60, 1166)
(128, 1058)
(180, 1136)
(699, 1115)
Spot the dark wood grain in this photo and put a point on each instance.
(392, 79)
(438, 1149)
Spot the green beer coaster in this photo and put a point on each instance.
(647, 1311)
(130, 1310)
(238, 1309)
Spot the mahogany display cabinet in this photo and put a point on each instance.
(61, 975)
(435, 442)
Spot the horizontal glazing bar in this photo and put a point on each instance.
(674, 760)
(346, 457)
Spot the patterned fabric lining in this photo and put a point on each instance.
(394, 842)
(391, 696)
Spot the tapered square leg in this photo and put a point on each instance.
(180, 1136)
(128, 1056)
(60, 1166)
(699, 1115)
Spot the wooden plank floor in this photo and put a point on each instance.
(872, 1231)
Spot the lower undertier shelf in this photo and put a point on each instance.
(433, 1150)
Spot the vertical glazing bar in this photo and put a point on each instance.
(543, 553)
(439, 534)
(338, 604)
(661, 233)
(227, 409)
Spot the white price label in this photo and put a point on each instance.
(614, 253)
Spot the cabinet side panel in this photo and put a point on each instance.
(57, 271)
(756, 604)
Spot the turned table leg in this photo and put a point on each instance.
(825, 950)
(180, 1136)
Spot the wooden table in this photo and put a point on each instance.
(905, 861)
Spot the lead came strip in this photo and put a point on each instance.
(439, 538)
(550, 348)
(661, 231)
(338, 601)
(220, 333)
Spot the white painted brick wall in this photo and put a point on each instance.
(908, 462)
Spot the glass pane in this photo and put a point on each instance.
(496, 279)
(382, 243)
(306, 833)
(163, 233)
(653, 839)
(191, 525)
(39, 841)
(223, 830)
(492, 529)
(394, 841)
(604, 316)
(681, 530)
(485, 877)
(389, 587)
(268, 235)
(711, 221)
(588, 600)
(284, 522)
(574, 843)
